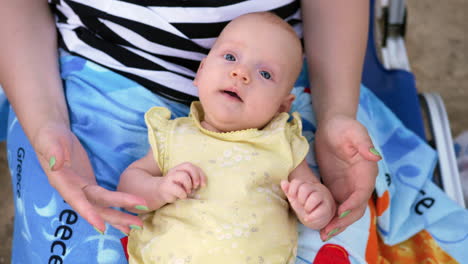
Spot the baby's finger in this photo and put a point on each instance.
(201, 178)
(183, 179)
(293, 188)
(195, 176)
(177, 192)
(312, 202)
(285, 187)
(297, 208)
(305, 190)
(189, 168)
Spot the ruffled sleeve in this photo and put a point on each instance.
(157, 121)
(299, 144)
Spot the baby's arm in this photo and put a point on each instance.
(312, 201)
(144, 178)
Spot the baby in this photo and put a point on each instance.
(217, 183)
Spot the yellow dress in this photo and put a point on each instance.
(241, 215)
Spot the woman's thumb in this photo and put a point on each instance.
(369, 152)
(55, 152)
(366, 148)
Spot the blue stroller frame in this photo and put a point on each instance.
(395, 85)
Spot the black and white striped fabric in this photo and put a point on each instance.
(157, 43)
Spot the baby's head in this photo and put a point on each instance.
(247, 77)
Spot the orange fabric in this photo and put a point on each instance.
(372, 249)
(420, 248)
(383, 203)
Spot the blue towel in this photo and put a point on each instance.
(416, 203)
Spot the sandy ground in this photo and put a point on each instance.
(437, 43)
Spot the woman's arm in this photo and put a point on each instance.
(29, 71)
(335, 35)
(29, 74)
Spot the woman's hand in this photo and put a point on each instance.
(69, 170)
(347, 164)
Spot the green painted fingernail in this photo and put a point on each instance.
(332, 233)
(135, 227)
(99, 231)
(375, 152)
(51, 162)
(328, 239)
(345, 213)
(141, 207)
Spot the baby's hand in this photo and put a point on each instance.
(313, 203)
(180, 181)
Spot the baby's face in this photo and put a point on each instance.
(246, 78)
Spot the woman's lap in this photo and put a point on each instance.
(106, 113)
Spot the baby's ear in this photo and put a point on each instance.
(286, 104)
(200, 67)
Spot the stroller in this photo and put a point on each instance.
(394, 84)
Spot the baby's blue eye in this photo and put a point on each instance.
(229, 57)
(265, 75)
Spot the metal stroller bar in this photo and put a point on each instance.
(440, 128)
(394, 56)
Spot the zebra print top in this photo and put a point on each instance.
(157, 43)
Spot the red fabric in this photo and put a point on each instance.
(124, 241)
(332, 254)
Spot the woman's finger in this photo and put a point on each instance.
(118, 218)
(124, 229)
(341, 221)
(369, 152)
(75, 197)
(357, 199)
(105, 198)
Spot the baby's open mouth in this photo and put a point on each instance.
(233, 94)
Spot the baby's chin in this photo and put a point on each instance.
(225, 125)
(224, 128)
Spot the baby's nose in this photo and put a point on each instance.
(242, 75)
